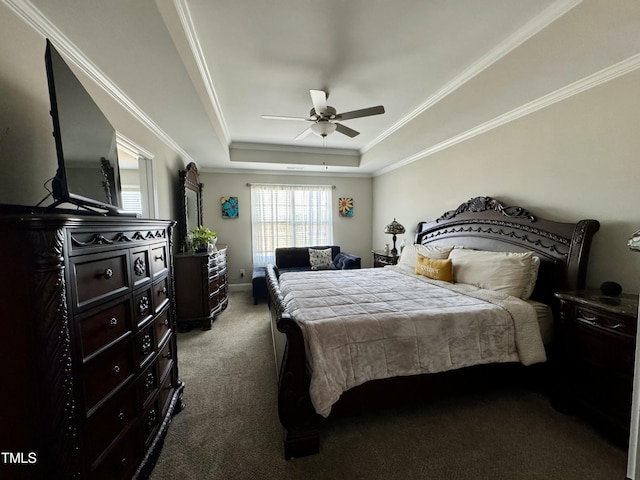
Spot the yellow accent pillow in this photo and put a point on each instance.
(435, 269)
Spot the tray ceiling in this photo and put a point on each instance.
(200, 74)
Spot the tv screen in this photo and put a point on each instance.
(88, 172)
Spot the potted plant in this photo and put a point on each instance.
(202, 239)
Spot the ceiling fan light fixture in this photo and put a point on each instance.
(322, 129)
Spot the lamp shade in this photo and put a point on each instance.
(394, 228)
(323, 129)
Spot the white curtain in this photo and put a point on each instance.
(289, 216)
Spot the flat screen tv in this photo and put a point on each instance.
(88, 174)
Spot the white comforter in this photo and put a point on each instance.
(367, 324)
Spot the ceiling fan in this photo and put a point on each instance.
(324, 117)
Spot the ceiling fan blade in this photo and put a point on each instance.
(319, 100)
(278, 117)
(349, 132)
(303, 134)
(365, 112)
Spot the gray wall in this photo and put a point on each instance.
(576, 159)
(352, 234)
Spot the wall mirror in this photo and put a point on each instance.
(191, 203)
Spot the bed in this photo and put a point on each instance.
(334, 331)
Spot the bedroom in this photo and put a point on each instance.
(575, 158)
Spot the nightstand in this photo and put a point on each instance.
(595, 354)
(381, 259)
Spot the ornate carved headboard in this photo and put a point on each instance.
(484, 223)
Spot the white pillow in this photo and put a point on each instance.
(320, 257)
(533, 277)
(506, 272)
(409, 255)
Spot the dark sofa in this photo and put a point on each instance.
(297, 258)
(290, 259)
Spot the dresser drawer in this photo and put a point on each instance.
(214, 282)
(144, 344)
(214, 299)
(162, 327)
(121, 461)
(160, 294)
(140, 266)
(104, 426)
(142, 308)
(96, 277)
(592, 346)
(166, 392)
(165, 360)
(610, 322)
(106, 371)
(150, 421)
(158, 260)
(100, 329)
(147, 385)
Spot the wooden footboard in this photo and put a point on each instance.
(295, 410)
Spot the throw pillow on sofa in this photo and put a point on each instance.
(320, 259)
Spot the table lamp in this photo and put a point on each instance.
(394, 228)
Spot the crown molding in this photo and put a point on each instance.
(272, 147)
(34, 18)
(543, 20)
(198, 55)
(603, 76)
(132, 147)
(286, 172)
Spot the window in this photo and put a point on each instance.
(289, 216)
(132, 199)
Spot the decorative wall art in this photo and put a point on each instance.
(345, 206)
(229, 207)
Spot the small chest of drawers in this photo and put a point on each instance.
(92, 358)
(201, 288)
(596, 352)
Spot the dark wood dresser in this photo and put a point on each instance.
(202, 289)
(597, 337)
(89, 358)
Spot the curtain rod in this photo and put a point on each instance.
(288, 185)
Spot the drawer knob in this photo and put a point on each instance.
(163, 291)
(116, 369)
(148, 384)
(143, 305)
(168, 355)
(159, 257)
(152, 418)
(146, 345)
(108, 273)
(121, 416)
(113, 321)
(166, 322)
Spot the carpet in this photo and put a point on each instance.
(230, 429)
